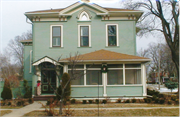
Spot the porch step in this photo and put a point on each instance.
(43, 97)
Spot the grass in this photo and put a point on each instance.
(130, 112)
(3, 112)
(114, 105)
(10, 107)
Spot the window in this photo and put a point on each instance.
(84, 36)
(133, 76)
(115, 77)
(79, 74)
(84, 16)
(112, 35)
(56, 36)
(92, 77)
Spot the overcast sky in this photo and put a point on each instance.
(13, 20)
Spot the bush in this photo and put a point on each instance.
(6, 93)
(28, 92)
(154, 97)
(173, 98)
(152, 92)
(9, 103)
(161, 96)
(31, 100)
(84, 101)
(157, 100)
(177, 101)
(127, 101)
(104, 101)
(169, 102)
(97, 101)
(133, 100)
(90, 101)
(147, 100)
(161, 101)
(19, 103)
(73, 101)
(119, 100)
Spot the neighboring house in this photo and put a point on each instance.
(103, 36)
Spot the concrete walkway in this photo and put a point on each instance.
(20, 112)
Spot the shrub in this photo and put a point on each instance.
(161, 96)
(90, 101)
(104, 101)
(19, 103)
(22, 102)
(161, 101)
(6, 93)
(31, 100)
(147, 100)
(9, 103)
(119, 100)
(97, 101)
(177, 101)
(84, 101)
(169, 102)
(73, 101)
(157, 100)
(152, 92)
(154, 97)
(173, 98)
(127, 101)
(28, 92)
(133, 100)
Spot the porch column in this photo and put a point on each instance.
(104, 76)
(65, 68)
(144, 79)
(38, 73)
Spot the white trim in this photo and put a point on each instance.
(125, 85)
(30, 61)
(61, 35)
(86, 14)
(104, 78)
(85, 74)
(144, 79)
(45, 59)
(86, 86)
(79, 31)
(132, 68)
(65, 68)
(115, 68)
(117, 34)
(124, 78)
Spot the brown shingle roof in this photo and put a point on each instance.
(116, 9)
(106, 55)
(28, 40)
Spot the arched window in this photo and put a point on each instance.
(84, 16)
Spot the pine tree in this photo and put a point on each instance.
(6, 93)
(28, 93)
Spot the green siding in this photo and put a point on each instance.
(27, 75)
(41, 37)
(124, 90)
(86, 91)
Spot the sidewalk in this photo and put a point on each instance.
(20, 112)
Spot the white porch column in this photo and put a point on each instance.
(123, 74)
(38, 73)
(144, 79)
(65, 68)
(104, 77)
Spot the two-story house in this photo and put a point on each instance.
(103, 37)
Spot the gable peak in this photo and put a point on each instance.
(86, 1)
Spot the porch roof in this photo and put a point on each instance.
(106, 55)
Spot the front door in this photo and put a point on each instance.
(48, 81)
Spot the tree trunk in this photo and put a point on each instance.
(60, 107)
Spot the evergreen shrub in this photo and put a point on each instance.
(161, 101)
(6, 93)
(84, 101)
(73, 101)
(133, 100)
(90, 101)
(104, 101)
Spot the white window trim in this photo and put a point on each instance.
(117, 35)
(79, 36)
(61, 35)
(81, 15)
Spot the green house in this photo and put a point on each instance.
(106, 41)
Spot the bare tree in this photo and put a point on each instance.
(161, 16)
(16, 49)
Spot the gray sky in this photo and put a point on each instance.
(13, 20)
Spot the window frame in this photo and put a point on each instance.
(79, 35)
(107, 35)
(61, 36)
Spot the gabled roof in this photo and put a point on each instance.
(106, 55)
(45, 59)
(99, 11)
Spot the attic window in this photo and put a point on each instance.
(84, 16)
